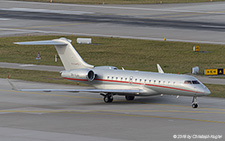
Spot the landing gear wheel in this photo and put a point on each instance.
(129, 98)
(108, 98)
(194, 105)
(194, 102)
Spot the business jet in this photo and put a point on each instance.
(110, 81)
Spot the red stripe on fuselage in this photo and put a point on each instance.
(126, 82)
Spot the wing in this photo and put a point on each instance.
(116, 91)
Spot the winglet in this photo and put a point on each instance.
(13, 87)
(159, 69)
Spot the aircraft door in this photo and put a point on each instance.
(131, 80)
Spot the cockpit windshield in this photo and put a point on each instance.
(195, 82)
(187, 82)
(191, 82)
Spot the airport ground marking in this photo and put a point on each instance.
(138, 111)
(108, 114)
(50, 94)
(57, 25)
(138, 102)
(182, 15)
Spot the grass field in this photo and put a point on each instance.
(216, 90)
(174, 57)
(122, 1)
(32, 75)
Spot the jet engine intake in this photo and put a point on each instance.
(86, 74)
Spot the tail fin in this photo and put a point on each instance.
(69, 56)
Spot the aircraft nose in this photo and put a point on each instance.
(207, 91)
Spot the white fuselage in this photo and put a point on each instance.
(149, 83)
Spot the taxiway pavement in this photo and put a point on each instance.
(26, 116)
(198, 22)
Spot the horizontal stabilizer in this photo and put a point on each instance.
(47, 42)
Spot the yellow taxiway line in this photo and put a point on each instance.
(127, 112)
(104, 112)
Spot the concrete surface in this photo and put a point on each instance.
(84, 116)
(198, 22)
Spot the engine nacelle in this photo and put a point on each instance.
(83, 74)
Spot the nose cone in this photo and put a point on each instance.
(207, 91)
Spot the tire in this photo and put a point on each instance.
(195, 105)
(129, 98)
(108, 99)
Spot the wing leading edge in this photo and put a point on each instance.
(118, 91)
(83, 90)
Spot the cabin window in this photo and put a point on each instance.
(125, 79)
(116, 78)
(107, 77)
(159, 82)
(112, 77)
(163, 82)
(136, 79)
(149, 81)
(121, 78)
(154, 81)
(173, 83)
(140, 80)
(168, 82)
(145, 80)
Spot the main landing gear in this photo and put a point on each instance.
(108, 98)
(194, 102)
(129, 98)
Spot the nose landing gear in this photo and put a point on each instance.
(194, 102)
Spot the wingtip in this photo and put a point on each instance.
(11, 84)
